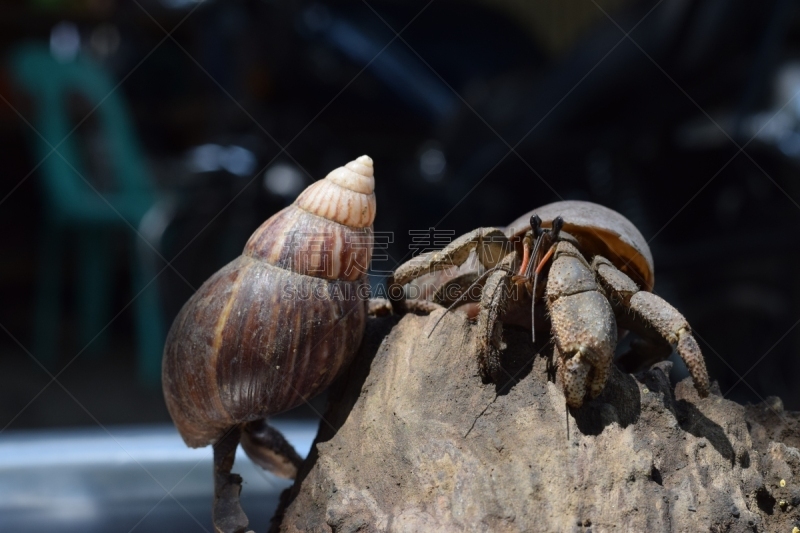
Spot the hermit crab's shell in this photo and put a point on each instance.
(599, 230)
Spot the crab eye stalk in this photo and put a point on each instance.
(558, 223)
(536, 225)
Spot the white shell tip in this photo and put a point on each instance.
(365, 160)
(345, 196)
(362, 165)
(356, 175)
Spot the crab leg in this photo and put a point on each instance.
(490, 244)
(544, 260)
(653, 316)
(494, 300)
(584, 327)
(526, 256)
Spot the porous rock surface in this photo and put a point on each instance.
(414, 441)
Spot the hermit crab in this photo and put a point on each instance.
(578, 269)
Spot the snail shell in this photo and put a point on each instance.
(275, 326)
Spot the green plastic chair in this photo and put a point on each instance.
(77, 217)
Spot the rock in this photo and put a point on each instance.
(414, 441)
(769, 422)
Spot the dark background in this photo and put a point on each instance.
(650, 124)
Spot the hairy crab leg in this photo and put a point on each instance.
(648, 312)
(490, 244)
(490, 326)
(583, 323)
(461, 297)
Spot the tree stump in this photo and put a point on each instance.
(414, 441)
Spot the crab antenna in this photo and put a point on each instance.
(452, 305)
(531, 272)
(533, 300)
(536, 226)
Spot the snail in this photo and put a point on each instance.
(272, 328)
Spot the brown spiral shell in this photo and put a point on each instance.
(276, 325)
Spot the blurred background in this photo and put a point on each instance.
(143, 141)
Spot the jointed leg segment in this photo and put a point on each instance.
(490, 244)
(652, 315)
(583, 324)
(494, 300)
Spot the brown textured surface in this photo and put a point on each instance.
(421, 444)
(665, 319)
(253, 341)
(487, 246)
(490, 329)
(585, 322)
(617, 284)
(769, 422)
(305, 243)
(569, 273)
(671, 325)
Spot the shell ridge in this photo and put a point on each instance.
(336, 203)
